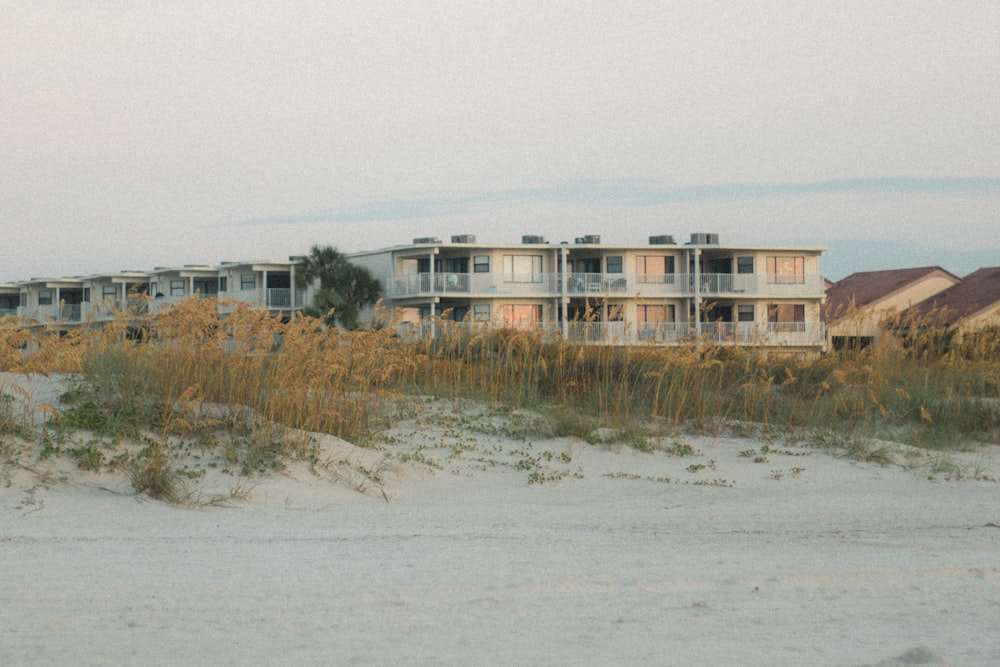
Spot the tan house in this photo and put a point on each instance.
(660, 292)
(970, 305)
(857, 306)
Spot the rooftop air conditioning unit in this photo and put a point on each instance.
(426, 239)
(704, 239)
(661, 240)
(530, 238)
(464, 238)
(589, 238)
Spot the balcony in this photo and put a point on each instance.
(676, 285)
(274, 298)
(772, 334)
(438, 284)
(132, 306)
(49, 313)
(162, 302)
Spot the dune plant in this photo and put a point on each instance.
(259, 378)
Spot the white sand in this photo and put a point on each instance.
(841, 563)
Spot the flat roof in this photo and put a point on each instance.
(589, 246)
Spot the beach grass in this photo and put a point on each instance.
(187, 372)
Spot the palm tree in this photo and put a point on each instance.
(343, 288)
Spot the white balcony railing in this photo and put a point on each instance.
(275, 298)
(419, 284)
(773, 334)
(605, 284)
(103, 311)
(53, 313)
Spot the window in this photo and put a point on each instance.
(655, 314)
(744, 313)
(223, 284)
(176, 288)
(787, 316)
(522, 268)
(722, 266)
(654, 269)
(86, 295)
(518, 316)
(108, 293)
(152, 289)
(615, 264)
(456, 265)
(786, 312)
(744, 265)
(481, 312)
(45, 297)
(786, 270)
(481, 264)
(207, 286)
(248, 281)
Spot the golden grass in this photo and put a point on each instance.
(925, 387)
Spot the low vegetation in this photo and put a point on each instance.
(238, 385)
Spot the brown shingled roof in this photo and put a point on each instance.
(865, 287)
(978, 290)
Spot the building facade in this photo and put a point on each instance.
(657, 292)
(75, 301)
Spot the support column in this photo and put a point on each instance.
(697, 290)
(563, 292)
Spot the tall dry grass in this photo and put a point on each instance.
(164, 367)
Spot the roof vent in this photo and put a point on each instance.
(426, 239)
(589, 238)
(531, 238)
(704, 239)
(664, 239)
(464, 238)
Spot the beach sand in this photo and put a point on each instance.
(437, 549)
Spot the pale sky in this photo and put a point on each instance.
(136, 134)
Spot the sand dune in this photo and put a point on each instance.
(458, 547)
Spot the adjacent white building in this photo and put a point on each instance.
(657, 292)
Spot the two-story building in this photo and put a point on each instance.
(51, 300)
(657, 292)
(73, 301)
(267, 284)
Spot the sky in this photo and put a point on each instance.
(136, 134)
